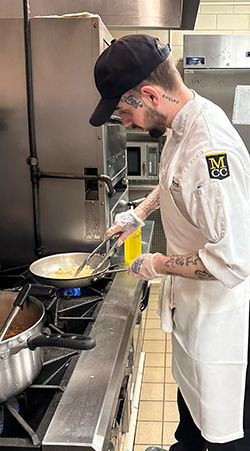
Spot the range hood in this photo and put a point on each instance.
(134, 14)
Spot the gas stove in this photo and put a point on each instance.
(81, 399)
(25, 418)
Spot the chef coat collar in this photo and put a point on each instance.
(180, 120)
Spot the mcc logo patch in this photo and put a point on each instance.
(217, 165)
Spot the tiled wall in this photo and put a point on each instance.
(214, 17)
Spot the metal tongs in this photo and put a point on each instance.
(95, 251)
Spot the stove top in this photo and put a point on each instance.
(72, 403)
(25, 418)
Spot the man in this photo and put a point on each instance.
(203, 195)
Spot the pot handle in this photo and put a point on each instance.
(73, 341)
(42, 290)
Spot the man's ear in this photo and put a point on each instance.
(151, 95)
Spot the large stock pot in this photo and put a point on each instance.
(21, 355)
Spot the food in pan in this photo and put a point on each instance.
(69, 272)
(15, 329)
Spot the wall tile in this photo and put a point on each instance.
(235, 22)
(163, 35)
(220, 9)
(121, 32)
(176, 37)
(205, 22)
(177, 52)
(241, 9)
(216, 31)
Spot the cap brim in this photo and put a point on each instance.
(103, 111)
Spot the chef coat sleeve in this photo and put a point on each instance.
(220, 208)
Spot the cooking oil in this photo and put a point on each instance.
(132, 246)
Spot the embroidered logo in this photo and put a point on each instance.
(217, 165)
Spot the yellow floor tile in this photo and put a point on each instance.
(152, 314)
(154, 334)
(155, 359)
(158, 413)
(153, 304)
(153, 374)
(153, 323)
(169, 376)
(171, 392)
(171, 412)
(153, 346)
(152, 391)
(154, 288)
(148, 432)
(150, 411)
(169, 346)
(154, 292)
(169, 429)
(168, 359)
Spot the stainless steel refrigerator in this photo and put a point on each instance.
(61, 180)
(218, 68)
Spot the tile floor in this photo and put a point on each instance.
(158, 414)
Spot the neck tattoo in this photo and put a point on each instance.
(170, 99)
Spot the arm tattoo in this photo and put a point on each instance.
(137, 265)
(187, 261)
(130, 100)
(151, 203)
(150, 207)
(182, 261)
(203, 275)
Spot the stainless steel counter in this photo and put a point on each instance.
(85, 413)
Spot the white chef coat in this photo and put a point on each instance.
(204, 196)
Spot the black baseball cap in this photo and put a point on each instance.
(124, 64)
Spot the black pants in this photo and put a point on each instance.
(189, 437)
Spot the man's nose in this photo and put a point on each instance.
(126, 121)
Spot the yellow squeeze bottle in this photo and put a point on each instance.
(132, 246)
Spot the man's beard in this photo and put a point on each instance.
(155, 122)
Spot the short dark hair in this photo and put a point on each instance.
(165, 75)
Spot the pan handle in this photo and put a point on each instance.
(73, 341)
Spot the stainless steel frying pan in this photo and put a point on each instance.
(48, 265)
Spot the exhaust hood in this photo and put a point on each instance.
(139, 14)
(165, 14)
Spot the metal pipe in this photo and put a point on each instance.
(33, 160)
(103, 178)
